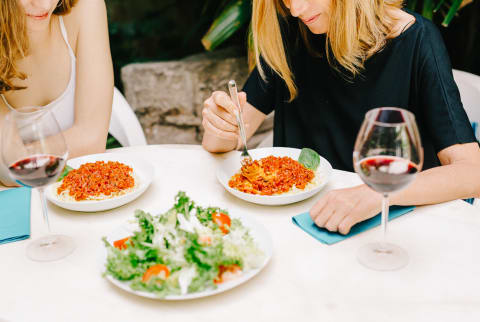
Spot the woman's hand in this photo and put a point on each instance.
(340, 209)
(219, 121)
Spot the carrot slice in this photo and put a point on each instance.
(223, 269)
(159, 270)
(121, 243)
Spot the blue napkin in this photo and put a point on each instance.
(323, 235)
(14, 214)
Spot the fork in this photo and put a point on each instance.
(232, 87)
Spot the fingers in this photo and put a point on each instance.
(219, 117)
(233, 136)
(221, 99)
(346, 224)
(334, 212)
(242, 97)
(335, 219)
(321, 211)
(217, 121)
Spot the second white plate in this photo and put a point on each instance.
(231, 165)
(258, 232)
(144, 171)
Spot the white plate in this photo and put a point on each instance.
(143, 170)
(257, 231)
(231, 165)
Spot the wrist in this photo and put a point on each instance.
(373, 197)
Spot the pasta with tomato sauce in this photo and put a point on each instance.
(97, 181)
(271, 176)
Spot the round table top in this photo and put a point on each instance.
(304, 281)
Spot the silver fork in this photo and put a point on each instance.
(232, 87)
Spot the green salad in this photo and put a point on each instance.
(188, 249)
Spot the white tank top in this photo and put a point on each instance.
(62, 107)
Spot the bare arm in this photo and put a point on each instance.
(458, 177)
(219, 122)
(94, 82)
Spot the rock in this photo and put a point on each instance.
(168, 97)
(169, 134)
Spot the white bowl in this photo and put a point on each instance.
(232, 165)
(144, 171)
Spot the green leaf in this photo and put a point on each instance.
(439, 5)
(65, 171)
(428, 6)
(451, 13)
(225, 25)
(411, 4)
(112, 142)
(309, 158)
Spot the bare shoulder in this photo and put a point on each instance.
(86, 10)
(402, 21)
(84, 13)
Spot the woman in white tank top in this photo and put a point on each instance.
(65, 67)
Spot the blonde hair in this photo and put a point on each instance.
(357, 30)
(14, 39)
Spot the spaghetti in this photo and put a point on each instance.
(271, 175)
(95, 181)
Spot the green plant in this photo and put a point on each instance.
(158, 30)
(236, 14)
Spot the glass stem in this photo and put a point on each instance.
(384, 218)
(41, 191)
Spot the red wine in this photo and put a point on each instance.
(37, 170)
(386, 173)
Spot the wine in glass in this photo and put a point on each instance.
(387, 156)
(35, 152)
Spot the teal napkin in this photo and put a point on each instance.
(321, 234)
(14, 214)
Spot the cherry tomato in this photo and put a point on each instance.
(156, 270)
(223, 221)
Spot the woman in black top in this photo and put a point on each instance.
(321, 65)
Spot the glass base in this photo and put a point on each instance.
(50, 248)
(382, 256)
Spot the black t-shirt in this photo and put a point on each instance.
(413, 72)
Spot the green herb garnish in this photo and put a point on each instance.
(65, 171)
(309, 158)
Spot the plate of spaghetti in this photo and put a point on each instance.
(274, 176)
(100, 182)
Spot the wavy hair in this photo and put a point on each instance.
(14, 39)
(357, 30)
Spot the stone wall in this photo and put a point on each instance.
(168, 97)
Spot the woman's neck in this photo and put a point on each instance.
(38, 39)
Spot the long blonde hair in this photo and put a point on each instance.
(14, 39)
(357, 30)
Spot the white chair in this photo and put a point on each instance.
(124, 125)
(469, 87)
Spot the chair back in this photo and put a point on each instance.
(124, 125)
(469, 87)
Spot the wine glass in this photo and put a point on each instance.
(387, 156)
(34, 150)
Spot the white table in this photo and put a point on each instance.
(305, 280)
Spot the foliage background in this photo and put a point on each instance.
(159, 30)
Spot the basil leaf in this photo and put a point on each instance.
(309, 158)
(66, 170)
